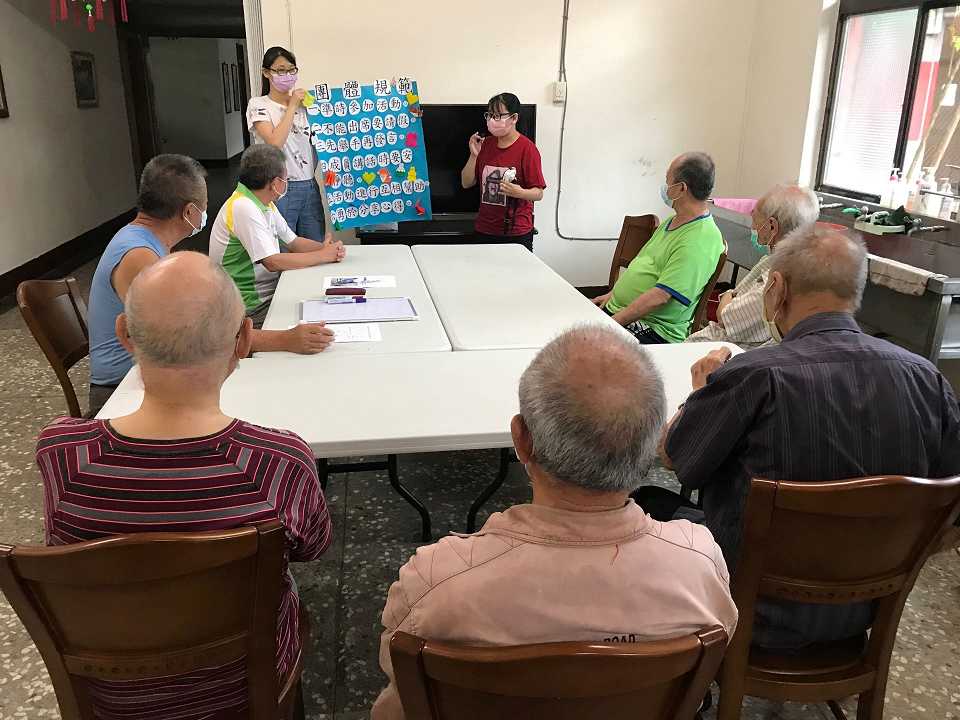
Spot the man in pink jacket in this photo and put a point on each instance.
(582, 562)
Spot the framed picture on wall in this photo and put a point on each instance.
(236, 86)
(227, 105)
(4, 110)
(85, 79)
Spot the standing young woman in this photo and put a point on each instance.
(507, 167)
(278, 118)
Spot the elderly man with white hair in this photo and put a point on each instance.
(825, 402)
(581, 562)
(178, 464)
(782, 210)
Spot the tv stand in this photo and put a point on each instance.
(441, 230)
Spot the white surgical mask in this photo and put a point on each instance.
(203, 221)
(771, 323)
(665, 197)
(286, 186)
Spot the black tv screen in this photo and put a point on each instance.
(446, 129)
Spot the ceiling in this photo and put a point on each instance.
(187, 18)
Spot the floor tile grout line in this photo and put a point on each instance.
(337, 612)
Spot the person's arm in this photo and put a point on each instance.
(132, 264)
(602, 300)
(515, 191)
(713, 422)
(302, 244)
(645, 303)
(742, 316)
(468, 176)
(302, 508)
(298, 260)
(277, 136)
(303, 339)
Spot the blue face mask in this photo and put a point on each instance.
(203, 222)
(755, 239)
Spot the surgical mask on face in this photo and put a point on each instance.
(755, 239)
(497, 128)
(203, 221)
(284, 83)
(665, 197)
(771, 322)
(286, 186)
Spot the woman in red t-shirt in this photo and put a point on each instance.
(507, 167)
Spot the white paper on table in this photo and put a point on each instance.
(370, 310)
(356, 332)
(360, 281)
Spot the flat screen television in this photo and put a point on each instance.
(446, 129)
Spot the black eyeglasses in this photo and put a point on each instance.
(497, 116)
(284, 71)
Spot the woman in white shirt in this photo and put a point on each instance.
(278, 118)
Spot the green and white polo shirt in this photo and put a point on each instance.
(245, 232)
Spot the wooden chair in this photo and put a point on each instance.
(634, 234)
(143, 606)
(56, 314)
(700, 314)
(556, 681)
(831, 543)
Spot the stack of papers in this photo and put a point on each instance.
(370, 310)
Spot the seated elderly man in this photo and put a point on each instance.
(657, 294)
(827, 402)
(150, 471)
(251, 239)
(171, 206)
(782, 210)
(591, 409)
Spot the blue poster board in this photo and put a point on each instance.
(370, 152)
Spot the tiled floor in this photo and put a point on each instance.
(376, 532)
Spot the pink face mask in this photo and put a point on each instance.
(498, 128)
(284, 83)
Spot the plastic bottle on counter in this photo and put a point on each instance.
(890, 192)
(930, 204)
(946, 204)
(899, 192)
(914, 201)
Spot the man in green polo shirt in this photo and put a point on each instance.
(657, 294)
(253, 242)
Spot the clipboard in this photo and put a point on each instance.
(372, 310)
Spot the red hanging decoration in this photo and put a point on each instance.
(64, 13)
(99, 9)
(91, 23)
(53, 12)
(96, 11)
(77, 12)
(112, 15)
(123, 10)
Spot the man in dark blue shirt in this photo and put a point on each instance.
(827, 403)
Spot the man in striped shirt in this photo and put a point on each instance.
(782, 210)
(179, 464)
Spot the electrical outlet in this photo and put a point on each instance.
(560, 92)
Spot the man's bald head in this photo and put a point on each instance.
(594, 405)
(821, 261)
(183, 311)
(794, 208)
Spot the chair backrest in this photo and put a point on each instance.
(151, 605)
(837, 543)
(557, 681)
(700, 314)
(634, 234)
(56, 314)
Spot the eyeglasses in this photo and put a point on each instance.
(497, 116)
(284, 71)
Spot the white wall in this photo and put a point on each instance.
(782, 70)
(188, 85)
(647, 80)
(64, 170)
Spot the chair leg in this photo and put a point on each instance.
(837, 711)
(732, 685)
(299, 713)
(870, 703)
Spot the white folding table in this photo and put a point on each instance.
(398, 404)
(500, 297)
(425, 334)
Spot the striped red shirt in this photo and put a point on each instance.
(99, 483)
